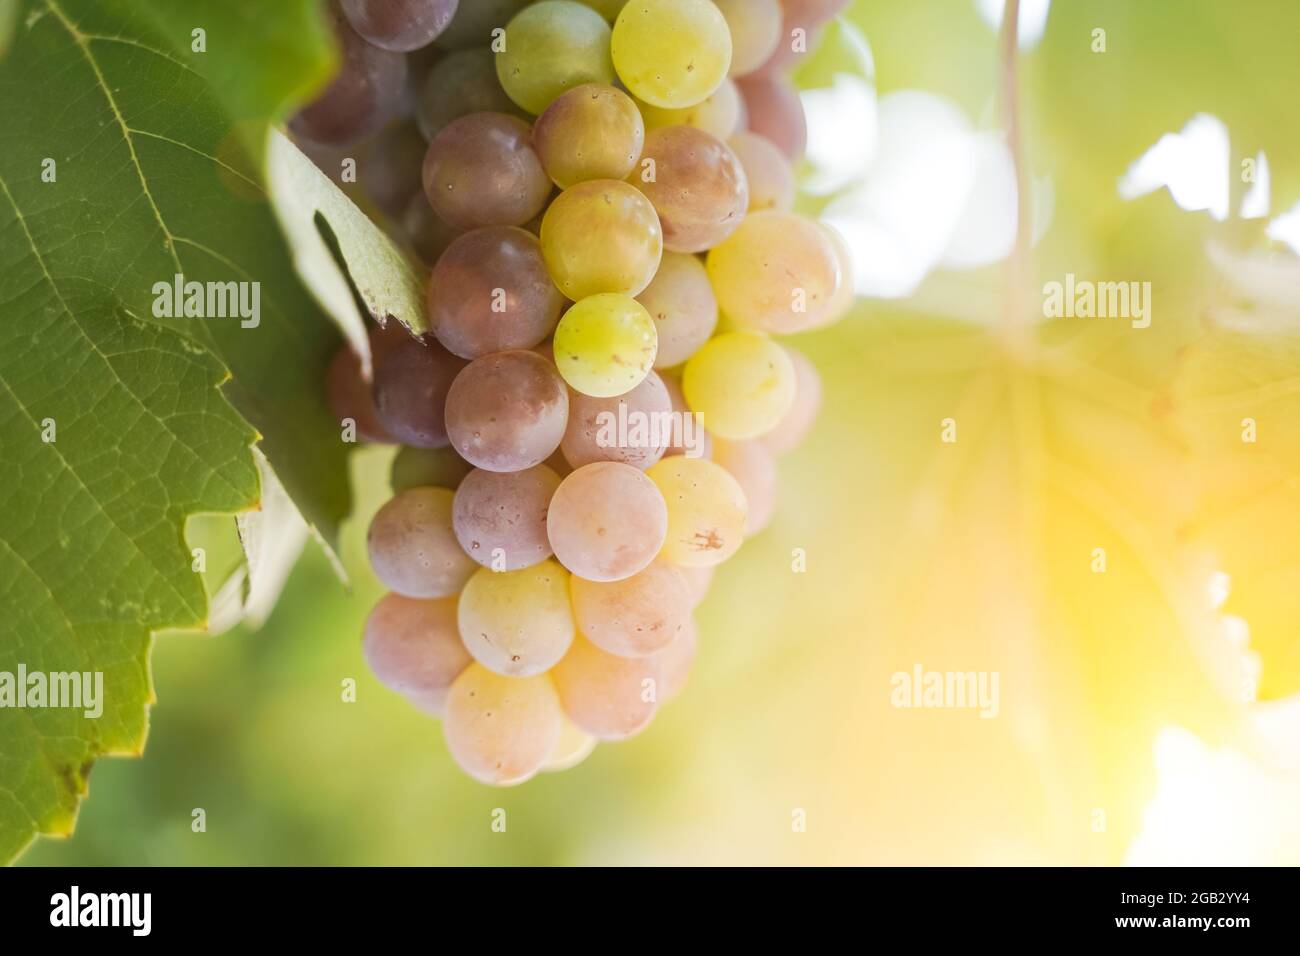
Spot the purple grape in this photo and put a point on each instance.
(507, 411)
(482, 170)
(400, 25)
(411, 384)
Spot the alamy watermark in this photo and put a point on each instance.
(1085, 299)
(208, 300)
(637, 429)
(956, 690)
(76, 690)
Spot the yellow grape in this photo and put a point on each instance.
(601, 236)
(575, 746)
(741, 382)
(590, 132)
(605, 345)
(634, 617)
(501, 730)
(551, 47)
(721, 113)
(517, 623)
(706, 510)
(756, 30)
(609, 697)
(671, 53)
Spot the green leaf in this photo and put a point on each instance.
(152, 158)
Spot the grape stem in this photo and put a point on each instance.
(1016, 297)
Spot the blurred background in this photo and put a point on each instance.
(1147, 713)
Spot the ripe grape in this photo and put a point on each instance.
(721, 113)
(768, 172)
(607, 521)
(490, 291)
(481, 170)
(675, 662)
(418, 467)
(427, 234)
(706, 510)
(635, 617)
(551, 47)
(590, 132)
(698, 579)
(755, 27)
(507, 411)
(753, 466)
(400, 25)
(741, 382)
(412, 547)
(696, 185)
(778, 272)
(517, 623)
(410, 388)
(842, 301)
(601, 236)
(575, 746)
(609, 697)
(596, 433)
(792, 428)
(349, 396)
(500, 518)
(389, 169)
(474, 22)
(363, 95)
(605, 345)
(671, 53)
(501, 730)
(413, 646)
(774, 111)
(459, 84)
(683, 306)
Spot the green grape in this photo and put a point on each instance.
(608, 696)
(606, 521)
(551, 47)
(671, 53)
(606, 8)
(601, 236)
(769, 173)
(682, 304)
(501, 730)
(755, 27)
(420, 467)
(778, 272)
(605, 345)
(753, 466)
(637, 616)
(741, 382)
(590, 132)
(696, 185)
(792, 428)
(721, 113)
(706, 510)
(517, 623)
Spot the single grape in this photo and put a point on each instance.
(517, 623)
(507, 411)
(608, 696)
(755, 27)
(362, 97)
(349, 397)
(807, 17)
(500, 518)
(501, 730)
(696, 185)
(574, 747)
(842, 301)
(474, 22)
(459, 84)
(400, 25)
(753, 466)
(774, 111)
(792, 428)
(689, 437)
(778, 272)
(633, 428)
(607, 521)
(741, 382)
(420, 467)
(698, 579)
(635, 617)
(590, 132)
(426, 234)
(721, 113)
(768, 172)
(490, 292)
(706, 510)
(601, 236)
(675, 661)
(481, 170)
(411, 384)
(413, 646)
(605, 345)
(412, 547)
(671, 53)
(551, 47)
(683, 306)
(389, 170)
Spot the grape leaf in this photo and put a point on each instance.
(130, 154)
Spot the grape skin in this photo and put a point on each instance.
(775, 112)
(796, 423)
(768, 172)
(500, 518)
(472, 76)
(389, 171)
(753, 466)
(418, 467)
(706, 511)
(590, 418)
(551, 47)
(671, 53)
(698, 580)
(635, 617)
(507, 411)
(590, 132)
(517, 623)
(482, 170)
(399, 25)
(742, 383)
(755, 27)
(607, 521)
(605, 345)
(426, 233)
(413, 647)
(474, 22)
(575, 746)
(722, 113)
(501, 730)
(696, 185)
(609, 697)
(600, 236)
(411, 384)
(413, 549)
(675, 661)
(681, 302)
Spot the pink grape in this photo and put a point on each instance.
(507, 411)
(500, 518)
(413, 647)
(607, 521)
(482, 170)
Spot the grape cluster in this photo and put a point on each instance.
(603, 193)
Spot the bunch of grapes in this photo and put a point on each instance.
(603, 194)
